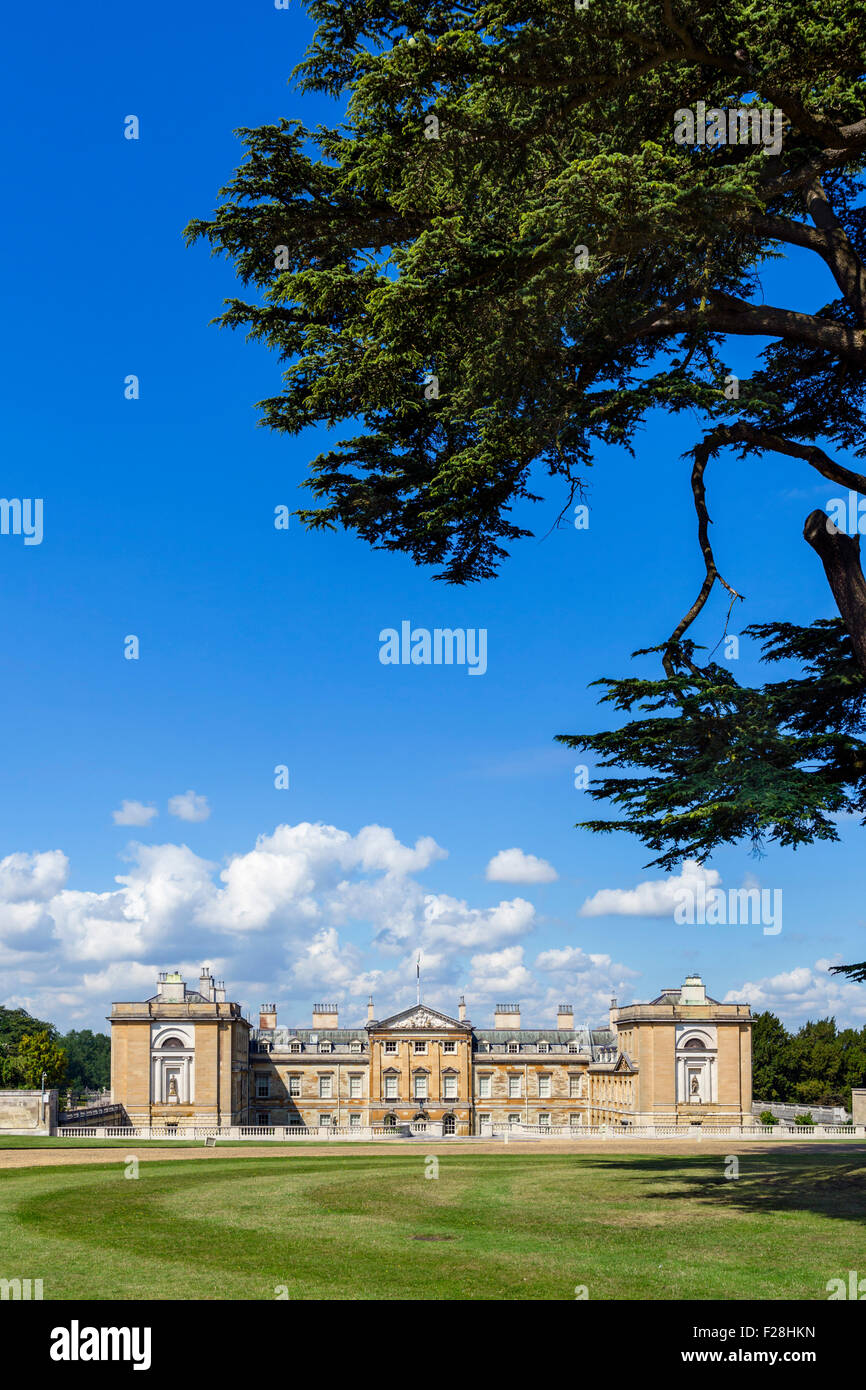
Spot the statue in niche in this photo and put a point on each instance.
(172, 1090)
(695, 1086)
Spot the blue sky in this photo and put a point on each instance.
(260, 647)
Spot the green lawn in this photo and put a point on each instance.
(510, 1226)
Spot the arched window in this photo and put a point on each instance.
(449, 1125)
(173, 1042)
(694, 1045)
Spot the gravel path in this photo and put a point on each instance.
(61, 1158)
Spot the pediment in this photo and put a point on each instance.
(421, 1018)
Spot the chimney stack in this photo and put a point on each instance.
(507, 1016)
(205, 984)
(612, 1014)
(325, 1015)
(461, 1009)
(565, 1017)
(171, 988)
(370, 1009)
(268, 1016)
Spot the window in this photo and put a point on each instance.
(574, 1087)
(484, 1119)
(514, 1088)
(484, 1087)
(449, 1125)
(419, 1048)
(420, 1092)
(294, 1085)
(262, 1118)
(575, 1120)
(544, 1121)
(354, 1121)
(263, 1087)
(390, 1087)
(390, 1044)
(324, 1119)
(573, 1047)
(449, 1046)
(450, 1091)
(354, 1045)
(514, 1119)
(325, 1087)
(513, 1047)
(544, 1086)
(355, 1087)
(544, 1047)
(294, 1047)
(176, 1042)
(326, 1046)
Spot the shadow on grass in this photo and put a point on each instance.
(831, 1184)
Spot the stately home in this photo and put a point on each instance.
(188, 1056)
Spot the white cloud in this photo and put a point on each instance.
(654, 898)
(325, 965)
(501, 973)
(802, 993)
(189, 806)
(32, 877)
(513, 866)
(450, 921)
(134, 813)
(271, 913)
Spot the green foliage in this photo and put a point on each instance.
(718, 761)
(38, 1053)
(25, 1040)
(15, 1025)
(379, 259)
(805, 1119)
(88, 1059)
(405, 256)
(768, 1118)
(817, 1065)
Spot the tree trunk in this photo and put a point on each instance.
(840, 556)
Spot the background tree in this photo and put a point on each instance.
(503, 258)
(769, 1039)
(88, 1059)
(817, 1065)
(16, 1024)
(38, 1053)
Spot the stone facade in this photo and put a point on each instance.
(181, 1056)
(187, 1056)
(28, 1112)
(682, 1059)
